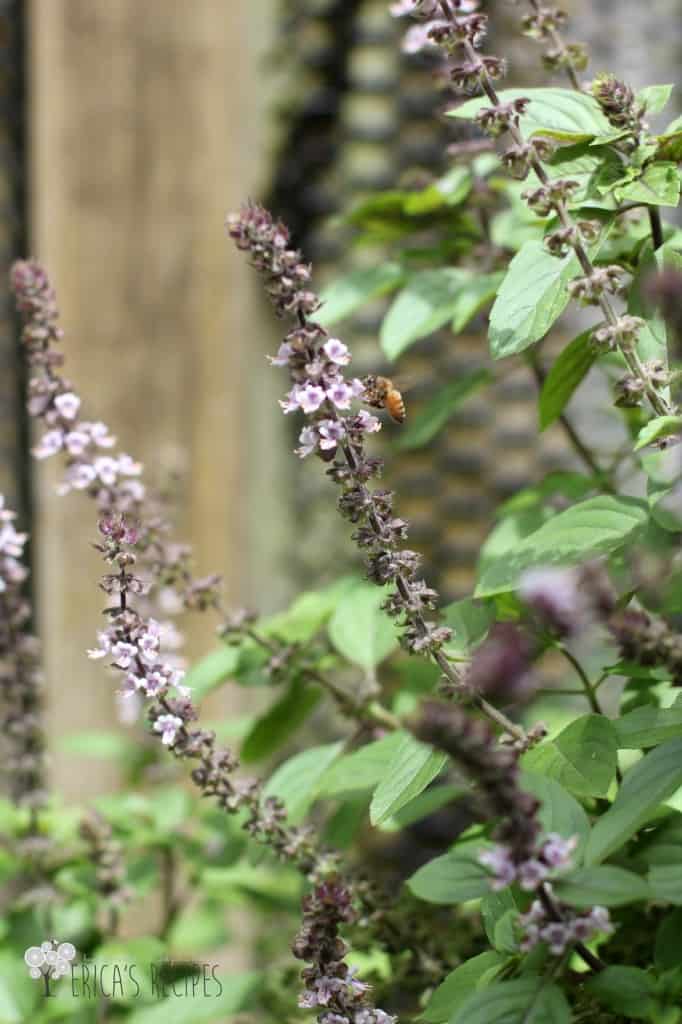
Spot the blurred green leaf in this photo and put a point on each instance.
(281, 721)
(359, 630)
(427, 302)
(411, 769)
(295, 782)
(347, 294)
(453, 878)
(430, 420)
(569, 370)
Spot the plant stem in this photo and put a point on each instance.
(578, 444)
(560, 45)
(588, 688)
(553, 911)
(656, 226)
(659, 404)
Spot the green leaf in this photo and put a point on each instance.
(450, 190)
(469, 621)
(648, 726)
(427, 302)
(18, 993)
(560, 113)
(471, 976)
(426, 803)
(360, 630)
(668, 951)
(437, 413)
(582, 758)
(665, 881)
(601, 885)
(235, 994)
(281, 721)
(295, 782)
(212, 671)
(413, 766)
(479, 292)
(453, 878)
(101, 744)
(660, 426)
(347, 294)
(569, 370)
(363, 769)
(626, 990)
(532, 296)
(654, 98)
(306, 616)
(568, 485)
(499, 911)
(659, 185)
(645, 786)
(528, 1000)
(559, 811)
(598, 526)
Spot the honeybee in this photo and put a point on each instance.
(381, 393)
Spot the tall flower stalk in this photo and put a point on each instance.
(337, 435)
(460, 37)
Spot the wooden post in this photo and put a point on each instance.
(146, 127)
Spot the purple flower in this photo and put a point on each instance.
(50, 443)
(168, 726)
(99, 432)
(601, 920)
(123, 654)
(106, 469)
(309, 398)
(499, 862)
(332, 432)
(76, 442)
(340, 394)
(337, 352)
(557, 851)
(555, 595)
(531, 873)
(308, 442)
(557, 936)
(367, 422)
(68, 405)
(284, 353)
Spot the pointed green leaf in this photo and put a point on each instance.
(280, 721)
(559, 811)
(427, 302)
(295, 782)
(598, 526)
(453, 878)
(660, 426)
(413, 766)
(648, 726)
(582, 758)
(528, 1000)
(568, 372)
(532, 296)
(360, 630)
(659, 185)
(471, 976)
(563, 113)
(625, 990)
(646, 785)
(362, 769)
(654, 98)
(665, 881)
(347, 294)
(602, 885)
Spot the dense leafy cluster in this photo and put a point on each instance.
(488, 826)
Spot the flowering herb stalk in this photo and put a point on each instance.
(336, 435)
(460, 38)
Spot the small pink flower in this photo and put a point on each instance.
(81, 476)
(310, 398)
(106, 469)
(68, 405)
(369, 423)
(337, 352)
(283, 355)
(340, 394)
(307, 441)
(123, 654)
(290, 403)
(357, 387)
(99, 432)
(50, 443)
(76, 442)
(168, 726)
(332, 432)
(557, 851)
(128, 466)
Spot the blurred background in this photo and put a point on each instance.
(128, 130)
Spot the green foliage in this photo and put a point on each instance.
(568, 372)
(348, 294)
(560, 113)
(452, 878)
(411, 769)
(582, 758)
(432, 419)
(359, 629)
(474, 975)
